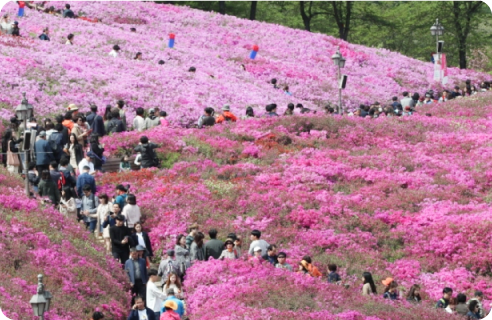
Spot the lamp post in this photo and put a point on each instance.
(437, 30)
(23, 112)
(41, 301)
(339, 61)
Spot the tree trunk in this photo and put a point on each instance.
(305, 18)
(342, 17)
(462, 52)
(222, 7)
(252, 12)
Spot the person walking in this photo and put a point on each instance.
(96, 122)
(90, 202)
(137, 273)
(44, 154)
(169, 309)
(142, 238)
(120, 240)
(131, 211)
(97, 149)
(155, 297)
(183, 258)
(67, 203)
(74, 150)
(48, 188)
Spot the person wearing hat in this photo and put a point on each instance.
(428, 98)
(226, 115)
(168, 265)
(257, 255)
(171, 297)
(44, 153)
(391, 289)
(170, 313)
(114, 52)
(152, 120)
(229, 252)
(155, 296)
(136, 269)
(120, 240)
(88, 161)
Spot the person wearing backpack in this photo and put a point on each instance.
(444, 301)
(90, 202)
(146, 148)
(96, 122)
(115, 124)
(55, 174)
(226, 115)
(57, 141)
(168, 265)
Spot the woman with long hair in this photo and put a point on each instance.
(81, 130)
(74, 150)
(369, 286)
(67, 203)
(142, 238)
(174, 282)
(103, 210)
(414, 294)
(131, 211)
(183, 258)
(13, 161)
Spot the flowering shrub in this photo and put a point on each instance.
(55, 74)
(37, 239)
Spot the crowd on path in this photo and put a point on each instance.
(67, 154)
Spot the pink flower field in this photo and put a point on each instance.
(401, 197)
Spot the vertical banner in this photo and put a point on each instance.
(437, 68)
(444, 69)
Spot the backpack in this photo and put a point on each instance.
(55, 141)
(112, 126)
(62, 181)
(67, 179)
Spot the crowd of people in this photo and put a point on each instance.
(67, 154)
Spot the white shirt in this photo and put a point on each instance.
(155, 297)
(139, 124)
(142, 314)
(132, 214)
(84, 163)
(140, 239)
(7, 26)
(113, 53)
(258, 243)
(68, 42)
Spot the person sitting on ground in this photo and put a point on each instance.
(226, 115)
(396, 105)
(369, 287)
(271, 110)
(407, 111)
(307, 263)
(479, 298)
(139, 121)
(333, 276)
(303, 110)
(171, 297)
(444, 301)
(214, 247)
(473, 310)
(391, 289)
(271, 255)
(45, 35)
(257, 242)
(414, 294)
(170, 313)
(282, 256)
(138, 56)
(68, 13)
(70, 39)
(114, 53)
(125, 165)
(15, 29)
(229, 252)
(152, 120)
(290, 110)
(207, 119)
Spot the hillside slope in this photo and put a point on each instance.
(55, 74)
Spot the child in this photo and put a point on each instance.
(125, 164)
(390, 292)
(333, 276)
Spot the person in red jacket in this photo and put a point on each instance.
(22, 5)
(226, 115)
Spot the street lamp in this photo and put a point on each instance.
(25, 111)
(41, 301)
(339, 61)
(437, 30)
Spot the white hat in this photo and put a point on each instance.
(257, 249)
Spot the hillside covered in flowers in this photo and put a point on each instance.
(55, 74)
(401, 197)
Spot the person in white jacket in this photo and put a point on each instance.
(155, 297)
(114, 52)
